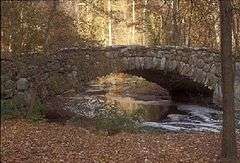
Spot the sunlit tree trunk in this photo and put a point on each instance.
(50, 18)
(133, 20)
(188, 37)
(22, 28)
(144, 22)
(167, 25)
(175, 31)
(217, 36)
(109, 23)
(229, 151)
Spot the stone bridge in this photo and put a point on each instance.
(181, 70)
(195, 65)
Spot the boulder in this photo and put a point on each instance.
(151, 110)
(22, 84)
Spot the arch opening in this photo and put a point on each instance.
(181, 88)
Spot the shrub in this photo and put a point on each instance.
(9, 109)
(38, 111)
(113, 120)
(138, 115)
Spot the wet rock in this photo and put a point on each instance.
(176, 117)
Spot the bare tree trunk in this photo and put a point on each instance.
(144, 22)
(229, 151)
(167, 27)
(175, 30)
(22, 28)
(133, 20)
(109, 23)
(217, 35)
(188, 38)
(47, 32)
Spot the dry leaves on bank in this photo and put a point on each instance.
(23, 141)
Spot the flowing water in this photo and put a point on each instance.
(190, 118)
(195, 119)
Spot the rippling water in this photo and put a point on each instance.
(195, 119)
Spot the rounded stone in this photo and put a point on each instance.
(22, 84)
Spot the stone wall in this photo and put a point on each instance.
(52, 74)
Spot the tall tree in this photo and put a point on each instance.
(175, 31)
(188, 35)
(53, 6)
(133, 21)
(229, 151)
(109, 23)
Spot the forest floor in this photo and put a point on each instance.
(24, 141)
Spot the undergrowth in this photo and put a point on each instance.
(10, 110)
(113, 120)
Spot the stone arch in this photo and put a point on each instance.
(198, 66)
(181, 88)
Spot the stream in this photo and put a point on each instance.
(187, 118)
(195, 119)
(191, 118)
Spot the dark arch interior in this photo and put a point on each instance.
(181, 88)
